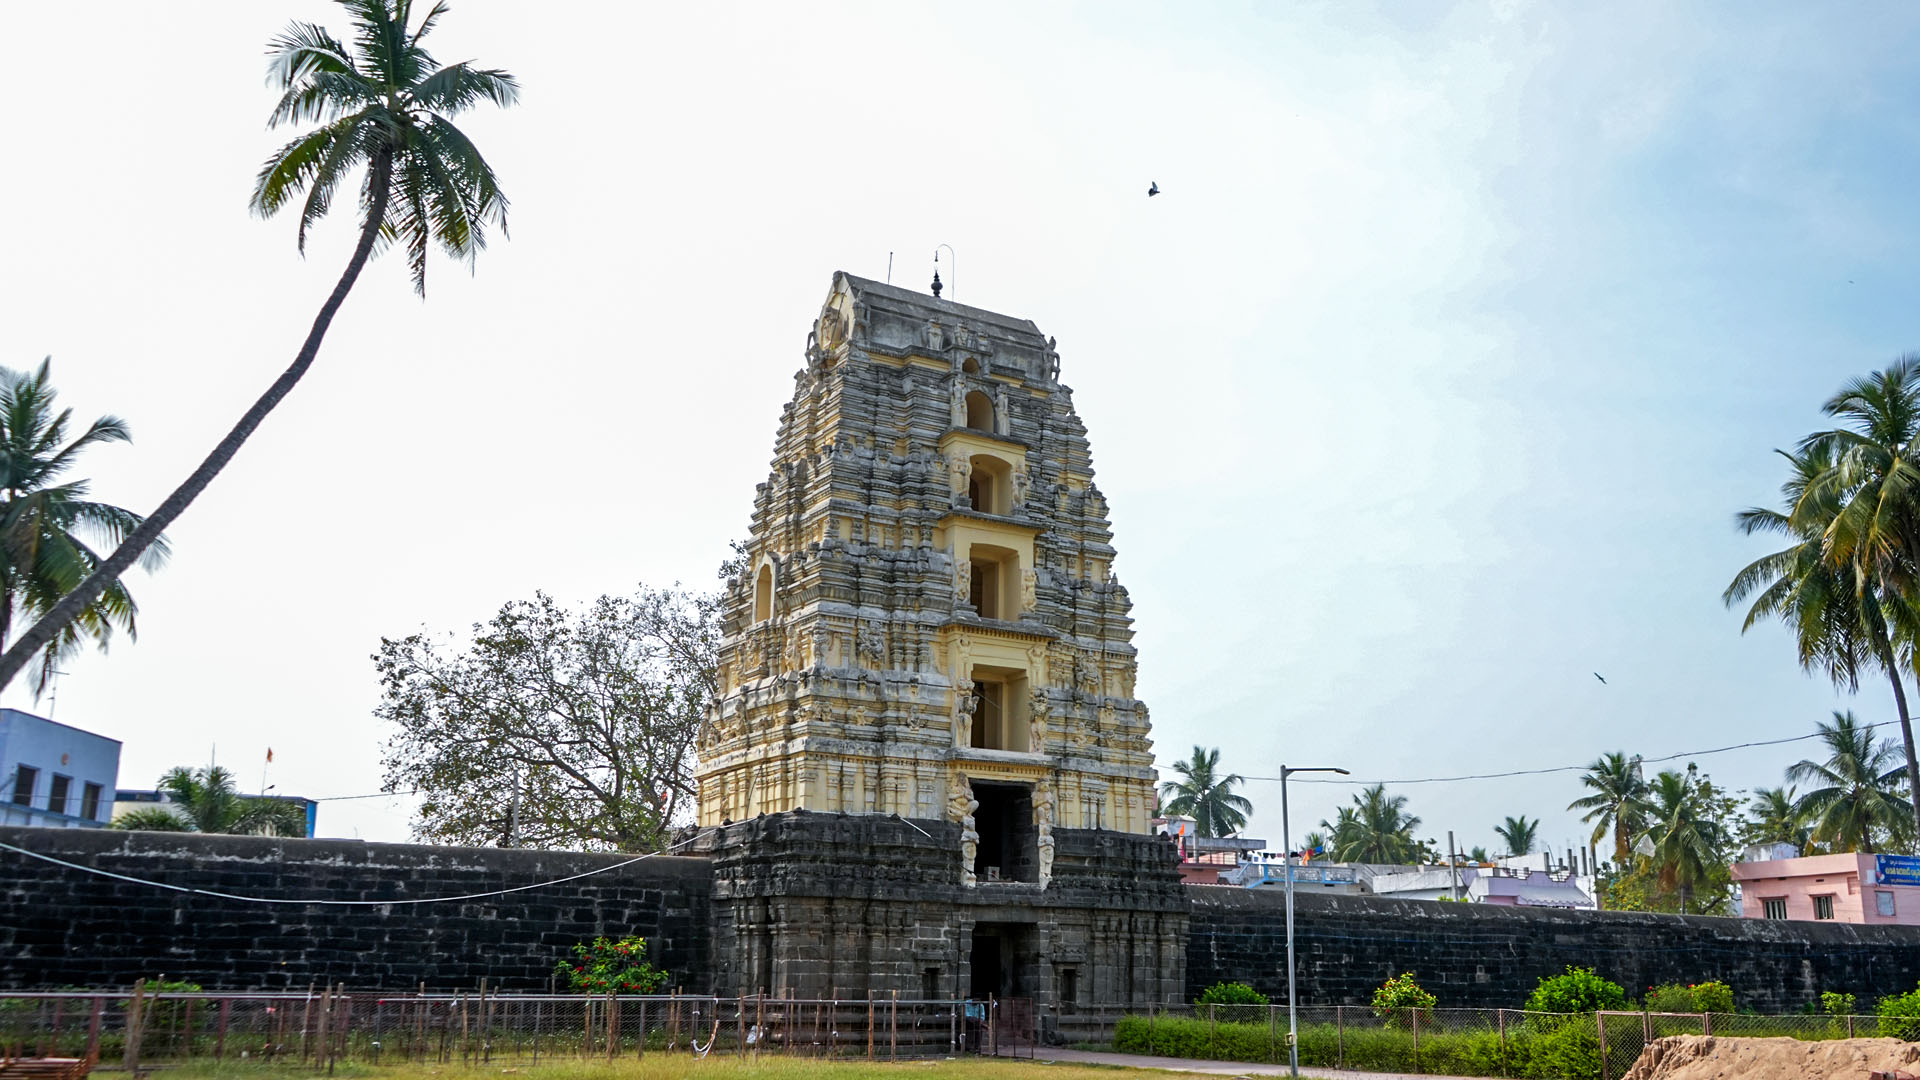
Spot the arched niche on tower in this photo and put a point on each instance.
(763, 593)
(979, 411)
(990, 484)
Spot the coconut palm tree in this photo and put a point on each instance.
(1519, 833)
(1618, 802)
(1681, 839)
(1858, 796)
(1773, 818)
(47, 521)
(1375, 829)
(1478, 855)
(1867, 505)
(1204, 795)
(382, 103)
(208, 802)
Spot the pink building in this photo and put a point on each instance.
(1853, 887)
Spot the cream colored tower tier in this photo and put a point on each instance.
(929, 624)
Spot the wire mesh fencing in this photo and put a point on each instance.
(139, 1030)
(1623, 1035)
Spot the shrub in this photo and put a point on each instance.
(1232, 1001)
(611, 967)
(1569, 1052)
(1900, 1015)
(1400, 996)
(1713, 997)
(1834, 1003)
(1578, 991)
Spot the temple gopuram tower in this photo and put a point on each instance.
(927, 676)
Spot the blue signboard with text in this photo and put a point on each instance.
(1897, 869)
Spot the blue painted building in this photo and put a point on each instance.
(55, 775)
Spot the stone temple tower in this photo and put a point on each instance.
(928, 629)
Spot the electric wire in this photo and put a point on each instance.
(336, 903)
(1558, 768)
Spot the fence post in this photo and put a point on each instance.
(220, 1032)
(1706, 1023)
(869, 1024)
(136, 1009)
(1273, 1034)
(1213, 1039)
(1500, 1017)
(993, 1026)
(1849, 1025)
(93, 1030)
(741, 1015)
(1416, 1041)
(1600, 1025)
(893, 1028)
(613, 1026)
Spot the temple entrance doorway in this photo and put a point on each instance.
(1001, 962)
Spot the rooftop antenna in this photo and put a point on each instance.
(889, 267)
(953, 270)
(53, 695)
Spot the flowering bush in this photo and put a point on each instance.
(1399, 1000)
(602, 966)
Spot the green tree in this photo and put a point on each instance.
(1375, 829)
(1519, 834)
(1865, 507)
(383, 103)
(1857, 802)
(553, 728)
(1683, 841)
(1478, 854)
(1774, 818)
(207, 801)
(1618, 802)
(47, 522)
(1207, 797)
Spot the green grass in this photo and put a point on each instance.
(1568, 1050)
(673, 1067)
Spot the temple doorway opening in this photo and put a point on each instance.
(1001, 960)
(1009, 838)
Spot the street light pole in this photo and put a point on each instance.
(1286, 845)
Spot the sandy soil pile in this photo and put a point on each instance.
(1708, 1057)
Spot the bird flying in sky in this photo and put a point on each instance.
(1153, 188)
(1601, 677)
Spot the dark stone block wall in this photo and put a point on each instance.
(833, 905)
(1482, 955)
(65, 927)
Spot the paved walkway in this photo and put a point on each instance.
(1215, 1068)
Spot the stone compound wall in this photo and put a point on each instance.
(63, 927)
(1481, 955)
(825, 905)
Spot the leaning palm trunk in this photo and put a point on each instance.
(1906, 739)
(41, 633)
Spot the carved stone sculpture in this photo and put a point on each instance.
(1043, 822)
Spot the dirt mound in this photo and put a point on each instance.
(1708, 1057)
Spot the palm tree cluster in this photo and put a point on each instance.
(47, 521)
(1376, 828)
(206, 800)
(1205, 795)
(1848, 583)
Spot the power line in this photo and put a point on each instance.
(337, 903)
(1561, 768)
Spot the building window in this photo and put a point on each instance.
(1883, 902)
(1823, 907)
(57, 793)
(1774, 907)
(90, 802)
(993, 582)
(990, 484)
(1000, 709)
(25, 779)
(763, 595)
(979, 411)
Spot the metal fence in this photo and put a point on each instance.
(139, 1029)
(1623, 1035)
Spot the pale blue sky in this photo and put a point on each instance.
(1429, 386)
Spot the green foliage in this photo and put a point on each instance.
(604, 966)
(208, 801)
(1207, 797)
(1834, 1003)
(1399, 998)
(1706, 997)
(1577, 991)
(554, 728)
(47, 524)
(1712, 997)
(1232, 1001)
(1618, 802)
(1519, 834)
(1859, 803)
(1375, 829)
(1564, 1051)
(1900, 1015)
